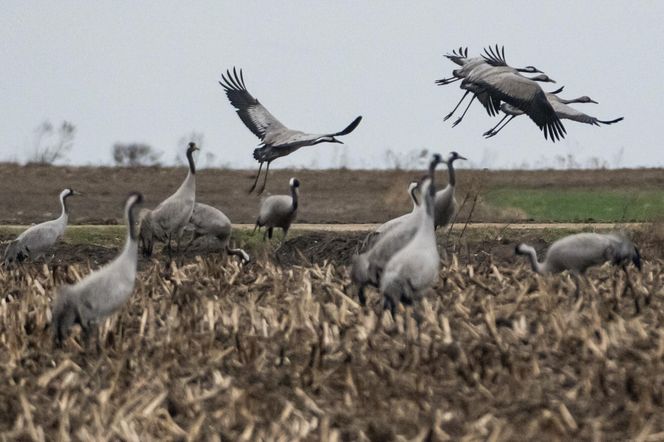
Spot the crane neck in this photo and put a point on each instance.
(573, 100)
(65, 207)
(131, 221)
(532, 257)
(451, 174)
(294, 194)
(427, 211)
(413, 196)
(190, 159)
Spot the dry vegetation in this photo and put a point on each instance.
(216, 351)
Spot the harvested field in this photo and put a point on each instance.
(216, 351)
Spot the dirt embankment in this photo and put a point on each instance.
(30, 194)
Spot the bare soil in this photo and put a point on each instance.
(29, 194)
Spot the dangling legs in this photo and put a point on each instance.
(489, 132)
(464, 112)
(444, 81)
(267, 169)
(447, 117)
(256, 180)
(494, 132)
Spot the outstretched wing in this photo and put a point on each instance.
(459, 57)
(495, 57)
(351, 127)
(569, 113)
(528, 96)
(252, 113)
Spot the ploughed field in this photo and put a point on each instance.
(30, 193)
(280, 349)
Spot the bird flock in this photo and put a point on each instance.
(400, 258)
(503, 88)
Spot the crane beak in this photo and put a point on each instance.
(337, 141)
(593, 101)
(463, 158)
(76, 193)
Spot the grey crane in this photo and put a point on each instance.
(102, 292)
(169, 218)
(279, 211)
(372, 237)
(37, 240)
(580, 251)
(276, 139)
(414, 268)
(367, 267)
(208, 221)
(413, 190)
(491, 101)
(472, 68)
(560, 106)
(526, 95)
(445, 204)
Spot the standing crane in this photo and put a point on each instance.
(102, 292)
(39, 239)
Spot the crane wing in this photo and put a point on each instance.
(252, 113)
(351, 127)
(568, 112)
(495, 57)
(528, 96)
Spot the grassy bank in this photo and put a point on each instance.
(579, 205)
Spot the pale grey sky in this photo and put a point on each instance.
(147, 72)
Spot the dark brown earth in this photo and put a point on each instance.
(30, 193)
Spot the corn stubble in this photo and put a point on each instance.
(216, 351)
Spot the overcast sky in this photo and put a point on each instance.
(127, 71)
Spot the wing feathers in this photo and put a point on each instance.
(252, 113)
(526, 95)
(351, 127)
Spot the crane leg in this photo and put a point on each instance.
(464, 112)
(361, 296)
(495, 131)
(444, 81)
(447, 117)
(489, 133)
(267, 169)
(257, 176)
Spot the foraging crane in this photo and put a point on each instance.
(414, 268)
(560, 106)
(102, 292)
(276, 139)
(367, 267)
(580, 251)
(279, 211)
(170, 217)
(445, 204)
(208, 221)
(38, 239)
